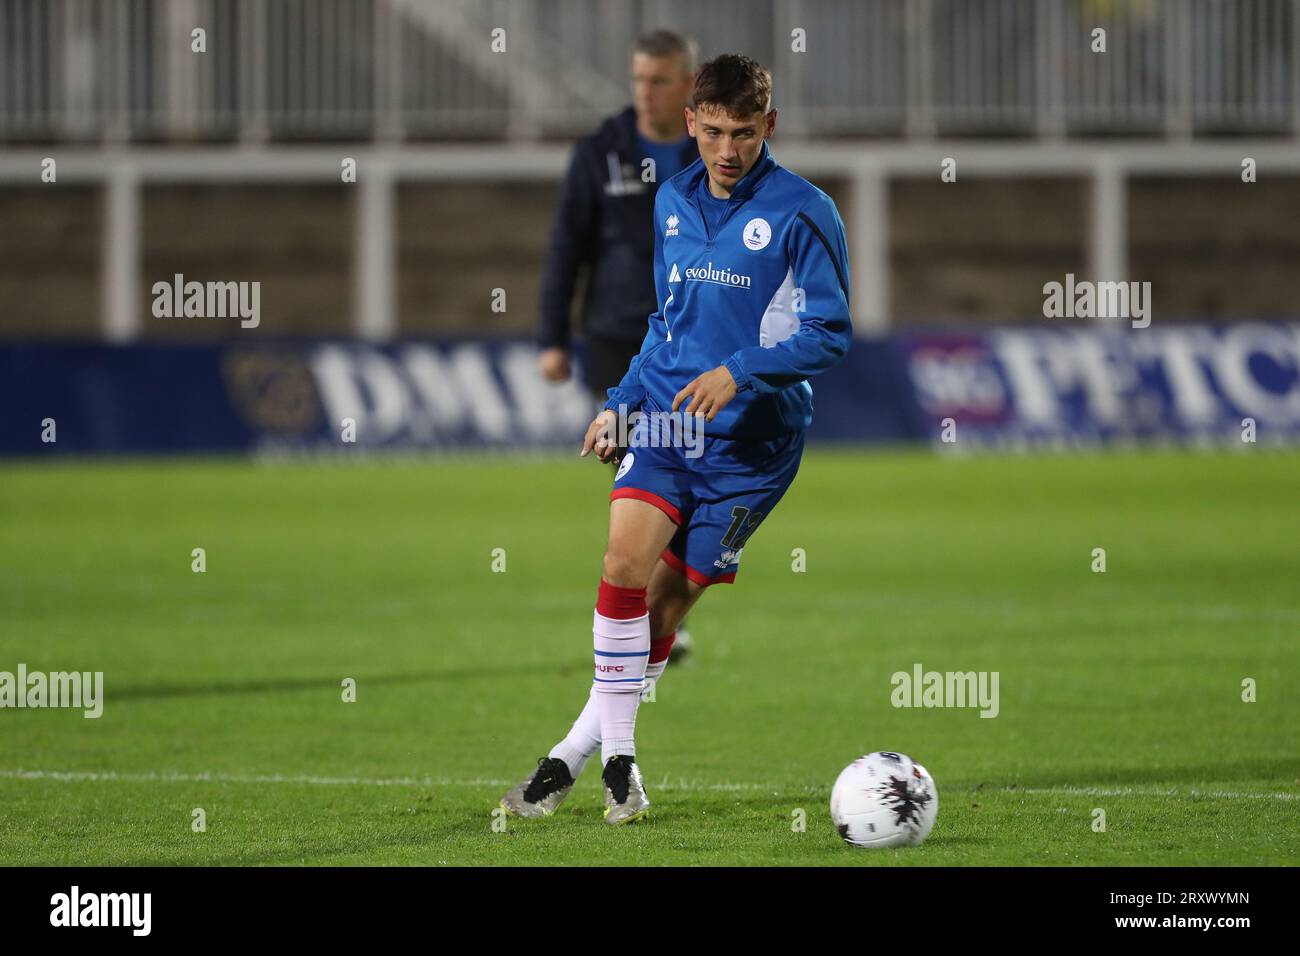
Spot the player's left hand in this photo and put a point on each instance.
(709, 393)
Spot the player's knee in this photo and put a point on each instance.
(621, 570)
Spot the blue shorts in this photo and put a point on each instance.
(716, 499)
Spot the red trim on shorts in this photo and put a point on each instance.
(649, 497)
(695, 577)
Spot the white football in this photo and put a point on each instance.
(884, 799)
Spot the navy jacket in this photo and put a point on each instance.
(606, 220)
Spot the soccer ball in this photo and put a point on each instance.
(884, 799)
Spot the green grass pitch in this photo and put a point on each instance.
(1120, 691)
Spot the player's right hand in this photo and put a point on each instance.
(600, 436)
(553, 363)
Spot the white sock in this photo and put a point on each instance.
(652, 674)
(583, 738)
(622, 647)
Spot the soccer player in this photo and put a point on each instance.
(751, 274)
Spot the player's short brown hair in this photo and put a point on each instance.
(735, 84)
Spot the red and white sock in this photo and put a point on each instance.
(660, 648)
(583, 738)
(621, 639)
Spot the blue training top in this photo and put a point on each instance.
(764, 291)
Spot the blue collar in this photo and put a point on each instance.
(745, 188)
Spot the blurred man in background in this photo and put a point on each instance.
(605, 217)
(605, 221)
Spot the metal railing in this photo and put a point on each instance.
(115, 70)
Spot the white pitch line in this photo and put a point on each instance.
(76, 776)
(1149, 792)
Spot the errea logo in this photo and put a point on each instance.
(671, 224)
(728, 559)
